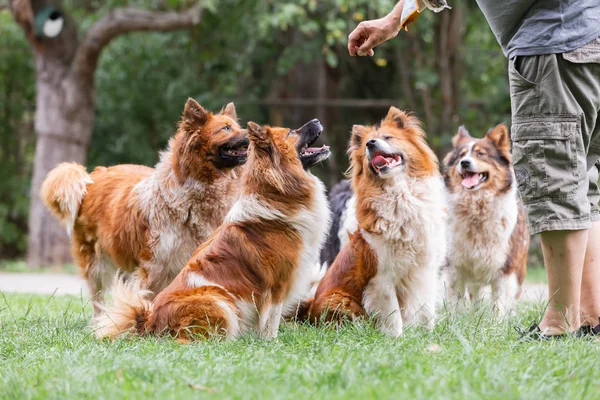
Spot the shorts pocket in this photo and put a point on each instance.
(518, 82)
(526, 69)
(545, 156)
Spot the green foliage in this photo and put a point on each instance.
(17, 105)
(48, 351)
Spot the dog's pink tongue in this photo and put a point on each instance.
(379, 161)
(470, 181)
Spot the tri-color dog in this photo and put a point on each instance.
(260, 262)
(488, 239)
(146, 221)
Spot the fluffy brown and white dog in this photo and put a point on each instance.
(488, 237)
(149, 221)
(258, 263)
(389, 269)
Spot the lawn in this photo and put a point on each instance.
(536, 275)
(21, 266)
(47, 351)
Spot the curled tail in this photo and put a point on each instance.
(128, 313)
(63, 191)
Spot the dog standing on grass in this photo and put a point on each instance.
(488, 237)
(259, 263)
(146, 221)
(389, 269)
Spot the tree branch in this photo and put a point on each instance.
(121, 21)
(23, 14)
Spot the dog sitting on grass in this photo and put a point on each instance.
(389, 268)
(259, 263)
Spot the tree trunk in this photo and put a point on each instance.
(448, 34)
(63, 125)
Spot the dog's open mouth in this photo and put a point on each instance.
(309, 156)
(309, 133)
(233, 153)
(383, 161)
(472, 180)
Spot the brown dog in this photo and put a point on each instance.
(257, 264)
(389, 268)
(150, 221)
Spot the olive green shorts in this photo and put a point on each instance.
(555, 101)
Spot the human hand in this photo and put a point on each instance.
(369, 34)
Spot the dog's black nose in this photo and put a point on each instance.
(465, 163)
(371, 142)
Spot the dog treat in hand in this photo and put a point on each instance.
(412, 9)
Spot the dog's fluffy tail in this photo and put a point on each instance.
(128, 313)
(63, 191)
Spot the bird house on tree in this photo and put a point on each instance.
(49, 22)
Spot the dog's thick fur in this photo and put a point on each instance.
(389, 268)
(257, 264)
(488, 237)
(149, 221)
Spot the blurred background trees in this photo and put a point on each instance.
(281, 61)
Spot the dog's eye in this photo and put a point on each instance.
(290, 132)
(480, 153)
(387, 137)
(226, 128)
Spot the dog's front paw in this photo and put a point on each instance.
(392, 326)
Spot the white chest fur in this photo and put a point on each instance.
(180, 216)
(412, 225)
(313, 224)
(410, 247)
(481, 224)
(348, 222)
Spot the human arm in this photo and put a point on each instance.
(369, 34)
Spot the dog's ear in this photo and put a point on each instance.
(499, 136)
(194, 113)
(356, 137)
(259, 136)
(229, 110)
(397, 118)
(461, 136)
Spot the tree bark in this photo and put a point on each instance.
(64, 117)
(425, 95)
(448, 32)
(63, 123)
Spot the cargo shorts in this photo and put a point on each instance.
(555, 101)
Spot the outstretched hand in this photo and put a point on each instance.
(369, 34)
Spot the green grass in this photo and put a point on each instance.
(536, 275)
(21, 266)
(48, 351)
